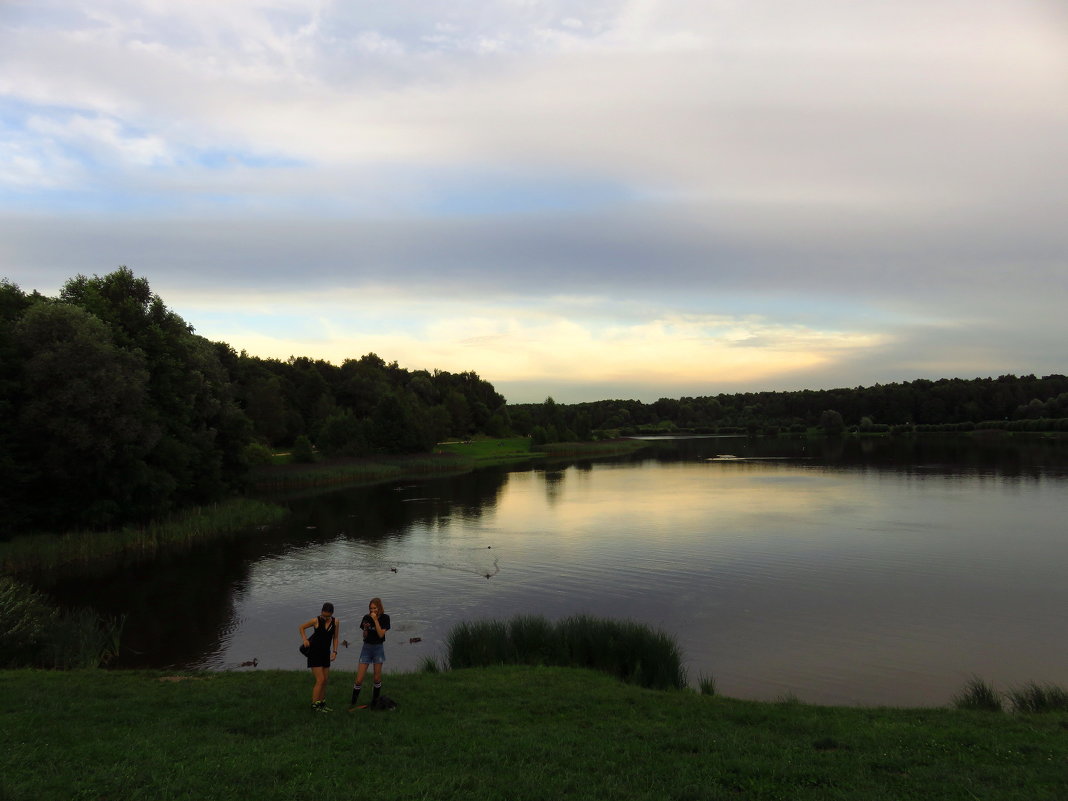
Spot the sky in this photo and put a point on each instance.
(589, 199)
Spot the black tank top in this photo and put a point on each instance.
(322, 636)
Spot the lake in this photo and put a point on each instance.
(856, 571)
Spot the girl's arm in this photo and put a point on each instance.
(337, 633)
(304, 627)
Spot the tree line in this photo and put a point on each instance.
(113, 410)
(954, 404)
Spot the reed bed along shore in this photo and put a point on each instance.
(630, 651)
(53, 554)
(36, 633)
(515, 732)
(56, 553)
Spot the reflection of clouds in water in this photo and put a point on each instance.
(676, 501)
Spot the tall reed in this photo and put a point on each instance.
(630, 651)
(977, 694)
(35, 633)
(1033, 697)
(53, 553)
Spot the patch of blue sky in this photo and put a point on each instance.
(15, 113)
(235, 320)
(218, 159)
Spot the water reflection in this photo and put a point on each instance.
(843, 571)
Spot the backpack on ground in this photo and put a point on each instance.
(383, 702)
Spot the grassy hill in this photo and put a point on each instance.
(496, 733)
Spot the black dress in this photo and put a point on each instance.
(319, 643)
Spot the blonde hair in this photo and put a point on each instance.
(378, 602)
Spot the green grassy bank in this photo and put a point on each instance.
(497, 733)
(448, 458)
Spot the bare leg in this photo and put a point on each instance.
(319, 690)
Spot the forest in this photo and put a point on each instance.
(114, 410)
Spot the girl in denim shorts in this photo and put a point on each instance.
(374, 625)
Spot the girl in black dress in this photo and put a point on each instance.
(321, 650)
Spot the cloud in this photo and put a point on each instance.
(865, 190)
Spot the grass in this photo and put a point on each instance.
(627, 650)
(979, 695)
(351, 471)
(706, 685)
(51, 553)
(1034, 697)
(518, 733)
(448, 457)
(35, 633)
(1028, 699)
(486, 452)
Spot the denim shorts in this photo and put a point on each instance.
(373, 654)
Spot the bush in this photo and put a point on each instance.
(977, 694)
(257, 454)
(81, 638)
(429, 665)
(33, 633)
(630, 651)
(1034, 697)
(706, 685)
(25, 620)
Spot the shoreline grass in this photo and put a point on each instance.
(351, 471)
(520, 733)
(55, 554)
(630, 651)
(449, 458)
(81, 551)
(488, 452)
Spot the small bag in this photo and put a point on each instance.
(384, 702)
(305, 649)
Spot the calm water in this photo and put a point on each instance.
(873, 572)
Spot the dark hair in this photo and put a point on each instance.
(328, 607)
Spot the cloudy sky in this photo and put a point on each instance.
(589, 199)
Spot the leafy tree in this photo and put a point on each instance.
(265, 407)
(196, 453)
(83, 432)
(831, 422)
(538, 436)
(401, 425)
(343, 434)
(459, 413)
